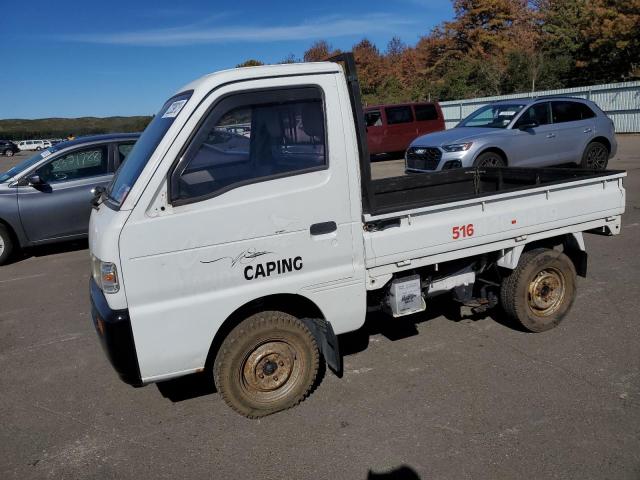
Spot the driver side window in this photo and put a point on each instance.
(253, 137)
(75, 165)
(538, 113)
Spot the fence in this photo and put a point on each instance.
(620, 101)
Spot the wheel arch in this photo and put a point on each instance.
(604, 140)
(493, 149)
(12, 232)
(297, 305)
(571, 244)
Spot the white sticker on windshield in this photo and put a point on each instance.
(174, 109)
(45, 153)
(508, 113)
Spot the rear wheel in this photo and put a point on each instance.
(595, 156)
(490, 159)
(540, 291)
(266, 364)
(6, 244)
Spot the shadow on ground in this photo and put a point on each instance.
(401, 473)
(50, 249)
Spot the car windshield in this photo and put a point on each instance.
(138, 157)
(493, 116)
(25, 164)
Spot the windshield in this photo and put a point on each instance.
(26, 164)
(144, 148)
(492, 116)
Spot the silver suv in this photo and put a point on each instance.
(520, 133)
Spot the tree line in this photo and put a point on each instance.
(18, 129)
(497, 47)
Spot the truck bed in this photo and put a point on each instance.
(505, 208)
(424, 189)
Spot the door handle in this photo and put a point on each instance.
(551, 135)
(323, 228)
(588, 130)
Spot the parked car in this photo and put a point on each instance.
(391, 128)
(33, 145)
(520, 133)
(46, 198)
(8, 148)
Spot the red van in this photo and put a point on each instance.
(391, 128)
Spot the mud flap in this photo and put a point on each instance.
(327, 341)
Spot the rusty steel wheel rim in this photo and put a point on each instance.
(597, 157)
(546, 292)
(271, 370)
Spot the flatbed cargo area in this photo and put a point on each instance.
(424, 189)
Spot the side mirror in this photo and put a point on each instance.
(36, 181)
(97, 195)
(528, 126)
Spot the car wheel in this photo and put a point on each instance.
(595, 156)
(268, 363)
(8, 152)
(6, 244)
(38, 148)
(490, 159)
(540, 291)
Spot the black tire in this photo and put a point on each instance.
(490, 159)
(595, 156)
(8, 152)
(38, 149)
(6, 244)
(540, 291)
(268, 363)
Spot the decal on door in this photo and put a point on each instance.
(272, 268)
(247, 256)
(251, 272)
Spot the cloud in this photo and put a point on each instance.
(325, 27)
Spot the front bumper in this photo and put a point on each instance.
(114, 331)
(442, 161)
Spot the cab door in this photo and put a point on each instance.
(250, 215)
(60, 204)
(535, 146)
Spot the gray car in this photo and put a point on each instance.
(47, 198)
(520, 133)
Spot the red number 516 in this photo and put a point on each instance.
(463, 231)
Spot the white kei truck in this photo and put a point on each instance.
(244, 233)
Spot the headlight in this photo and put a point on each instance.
(105, 275)
(457, 147)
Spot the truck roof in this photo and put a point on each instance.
(248, 73)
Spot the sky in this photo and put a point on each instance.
(116, 57)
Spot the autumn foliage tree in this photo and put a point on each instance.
(494, 47)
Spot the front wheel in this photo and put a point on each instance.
(595, 156)
(8, 152)
(268, 363)
(540, 291)
(490, 159)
